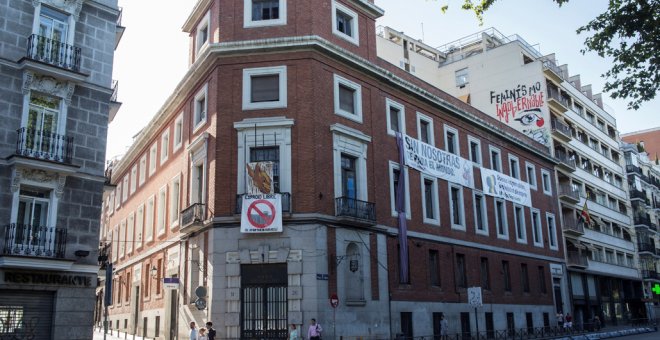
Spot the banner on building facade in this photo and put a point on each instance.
(437, 163)
(261, 214)
(497, 184)
(259, 178)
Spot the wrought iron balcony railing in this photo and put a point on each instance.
(53, 52)
(44, 145)
(642, 220)
(350, 207)
(32, 240)
(633, 169)
(561, 128)
(286, 202)
(195, 213)
(646, 247)
(575, 259)
(569, 192)
(571, 224)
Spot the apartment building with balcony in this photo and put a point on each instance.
(56, 60)
(309, 94)
(643, 177)
(510, 81)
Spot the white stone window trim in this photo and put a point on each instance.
(198, 156)
(153, 154)
(355, 38)
(281, 71)
(532, 181)
(498, 159)
(515, 160)
(134, 171)
(477, 141)
(118, 196)
(178, 132)
(139, 221)
(354, 143)
(174, 205)
(389, 103)
(149, 218)
(547, 220)
(165, 146)
(461, 207)
(435, 197)
(523, 228)
(122, 245)
(205, 23)
(124, 193)
(545, 174)
(539, 227)
(457, 145)
(130, 232)
(197, 121)
(505, 220)
(266, 126)
(143, 170)
(161, 203)
(357, 99)
(249, 23)
(430, 130)
(73, 13)
(484, 212)
(55, 185)
(395, 166)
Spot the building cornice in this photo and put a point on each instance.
(207, 58)
(368, 7)
(196, 15)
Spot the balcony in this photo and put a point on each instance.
(53, 52)
(639, 195)
(34, 241)
(561, 130)
(285, 197)
(641, 221)
(192, 218)
(44, 145)
(565, 163)
(120, 28)
(355, 209)
(568, 193)
(650, 275)
(572, 226)
(574, 259)
(553, 71)
(556, 101)
(633, 169)
(646, 247)
(114, 104)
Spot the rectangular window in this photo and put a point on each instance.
(202, 36)
(347, 99)
(536, 228)
(461, 77)
(118, 196)
(268, 154)
(152, 158)
(143, 169)
(425, 129)
(552, 231)
(407, 325)
(139, 226)
(175, 201)
(53, 30)
(200, 106)
(130, 232)
(264, 88)
(124, 193)
(164, 146)
(519, 219)
(531, 175)
(434, 268)
(546, 182)
(507, 276)
(122, 238)
(149, 221)
(514, 167)
(430, 200)
(259, 13)
(485, 273)
(500, 219)
(480, 213)
(162, 208)
(524, 276)
(345, 23)
(133, 178)
(542, 283)
(178, 132)
(348, 177)
(461, 271)
(396, 113)
(456, 207)
(495, 159)
(475, 150)
(394, 182)
(451, 140)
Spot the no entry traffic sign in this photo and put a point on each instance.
(261, 214)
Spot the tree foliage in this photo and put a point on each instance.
(629, 33)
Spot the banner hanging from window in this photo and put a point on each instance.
(438, 163)
(497, 184)
(259, 178)
(261, 214)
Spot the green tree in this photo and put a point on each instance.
(629, 33)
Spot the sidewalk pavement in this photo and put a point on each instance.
(115, 335)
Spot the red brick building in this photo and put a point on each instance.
(649, 137)
(300, 84)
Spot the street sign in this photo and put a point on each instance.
(200, 303)
(334, 300)
(261, 214)
(474, 297)
(171, 282)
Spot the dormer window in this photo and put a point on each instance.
(260, 13)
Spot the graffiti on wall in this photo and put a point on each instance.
(521, 107)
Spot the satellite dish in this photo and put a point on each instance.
(200, 291)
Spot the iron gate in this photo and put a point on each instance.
(264, 312)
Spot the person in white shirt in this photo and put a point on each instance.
(193, 331)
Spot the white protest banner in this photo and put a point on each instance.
(438, 163)
(500, 185)
(261, 214)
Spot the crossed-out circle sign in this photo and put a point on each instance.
(263, 209)
(334, 300)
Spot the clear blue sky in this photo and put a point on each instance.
(153, 54)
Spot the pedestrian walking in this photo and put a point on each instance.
(293, 333)
(560, 319)
(314, 331)
(193, 331)
(568, 321)
(444, 327)
(211, 330)
(202, 334)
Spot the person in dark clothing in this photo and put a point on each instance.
(211, 330)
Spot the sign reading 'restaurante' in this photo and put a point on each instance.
(438, 163)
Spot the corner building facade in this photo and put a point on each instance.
(300, 84)
(56, 97)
